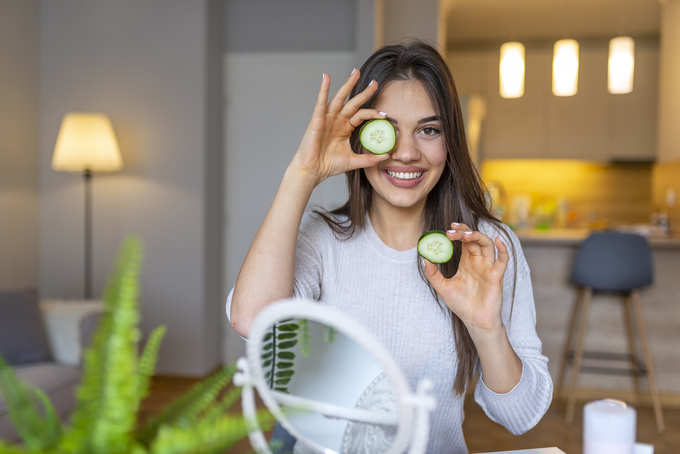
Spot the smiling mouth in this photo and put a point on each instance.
(404, 175)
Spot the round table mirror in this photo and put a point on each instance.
(330, 383)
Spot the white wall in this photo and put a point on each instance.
(147, 65)
(268, 102)
(19, 76)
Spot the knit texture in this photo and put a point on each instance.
(381, 288)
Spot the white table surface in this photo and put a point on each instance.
(529, 451)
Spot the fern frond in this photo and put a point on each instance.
(207, 437)
(108, 397)
(219, 408)
(11, 449)
(37, 431)
(304, 337)
(187, 406)
(147, 362)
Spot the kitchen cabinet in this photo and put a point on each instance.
(591, 125)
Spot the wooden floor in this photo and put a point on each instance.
(481, 433)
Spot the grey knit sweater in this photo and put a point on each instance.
(381, 287)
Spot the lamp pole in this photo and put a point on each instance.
(87, 291)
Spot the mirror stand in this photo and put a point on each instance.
(411, 420)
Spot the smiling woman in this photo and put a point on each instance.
(472, 315)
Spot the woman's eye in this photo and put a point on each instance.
(430, 131)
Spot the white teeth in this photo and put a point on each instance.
(405, 175)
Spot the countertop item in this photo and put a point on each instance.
(574, 236)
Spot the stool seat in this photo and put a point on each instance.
(613, 262)
(610, 262)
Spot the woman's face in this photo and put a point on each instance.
(418, 158)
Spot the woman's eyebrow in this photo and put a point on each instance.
(422, 120)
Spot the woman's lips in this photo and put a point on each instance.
(403, 183)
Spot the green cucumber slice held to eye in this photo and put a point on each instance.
(435, 246)
(378, 136)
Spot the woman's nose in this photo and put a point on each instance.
(406, 149)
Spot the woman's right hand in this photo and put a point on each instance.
(325, 149)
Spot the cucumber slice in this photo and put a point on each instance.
(378, 136)
(435, 246)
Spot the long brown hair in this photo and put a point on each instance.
(458, 196)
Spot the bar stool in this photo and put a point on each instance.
(619, 263)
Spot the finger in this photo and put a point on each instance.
(463, 235)
(343, 92)
(434, 276)
(321, 100)
(359, 100)
(363, 115)
(503, 257)
(361, 161)
(484, 243)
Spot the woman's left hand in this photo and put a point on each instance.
(474, 293)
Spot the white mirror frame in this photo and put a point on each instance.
(251, 374)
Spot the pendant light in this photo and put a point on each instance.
(511, 70)
(565, 67)
(621, 65)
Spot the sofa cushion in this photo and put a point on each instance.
(22, 332)
(58, 381)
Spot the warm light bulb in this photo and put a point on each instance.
(621, 65)
(511, 70)
(565, 68)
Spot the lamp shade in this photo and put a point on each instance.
(86, 142)
(511, 70)
(565, 67)
(621, 65)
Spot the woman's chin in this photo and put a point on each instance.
(403, 200)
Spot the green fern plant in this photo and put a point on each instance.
(114, 383)
(278, 355)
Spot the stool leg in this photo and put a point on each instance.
(649, 362)
(630, 340)
(578, 355)
(567, 346)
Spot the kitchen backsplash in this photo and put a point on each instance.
(666, 192)
(576, 193)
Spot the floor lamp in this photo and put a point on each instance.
(86, 143)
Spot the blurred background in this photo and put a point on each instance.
(207, 101)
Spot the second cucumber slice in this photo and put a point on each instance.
(378, 136)
(435, 246)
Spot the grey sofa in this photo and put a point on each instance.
(69, 328)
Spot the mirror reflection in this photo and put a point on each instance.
(332, 391)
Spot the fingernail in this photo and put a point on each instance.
(451, 231)
(383, 113)
(353, 71)
(467, 233)
(455, 223)
(372, 83)
(323, 76)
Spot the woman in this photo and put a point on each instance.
(472, 316)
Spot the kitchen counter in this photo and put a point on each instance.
(550, 255)
(571, 237)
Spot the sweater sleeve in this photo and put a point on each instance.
(308, 263)
(524, 405)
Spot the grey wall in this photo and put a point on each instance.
(270, 85)
(148, 65)
(19, 71)
(289, 26)
(406, 19)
